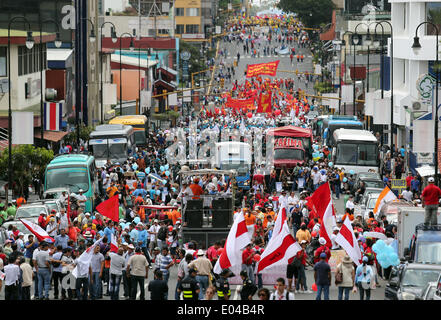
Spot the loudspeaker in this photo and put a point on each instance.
(222, 211)
(195, 205)
(193, 218)
(204, 239)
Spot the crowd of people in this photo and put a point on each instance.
(148, 239)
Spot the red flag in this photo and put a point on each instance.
(346, 239)
(39, 232)
(113, 244)
(280, 250)
(110, 208)
(237, 239)
(321, 202)
(264, 103)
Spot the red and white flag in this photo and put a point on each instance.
(321, 202)
(279, 251)
(346, 239)
(113, 244)
(53, 115)
(83, 262)
(280, 220)
(38, 231)
(237, 239)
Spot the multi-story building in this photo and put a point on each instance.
(410, 68)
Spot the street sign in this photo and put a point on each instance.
(4, 86)
(398, 183)
(185, 55)
(424, 158)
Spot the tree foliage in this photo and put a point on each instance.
(85, 132)
(311, 13)
(27, 162)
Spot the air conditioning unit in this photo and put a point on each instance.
(419, 106)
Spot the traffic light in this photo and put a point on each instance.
(297, 72)
(222, 82)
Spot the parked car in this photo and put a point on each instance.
(32, 211)
(370, 204)
(370, 179)
(53, 204)
(20, 226)
(428, 292)
(361, 206)
(407, 281)
(55, 193)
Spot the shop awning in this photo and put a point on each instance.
(53, 136)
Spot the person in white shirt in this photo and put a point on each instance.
(334, 234)
(52, 227)
(81, 198)
(350, 203)
(407, 194)
(315, 175)
(281, 293)
(283, 200)
(292, 201)
(153, 231)
(12, 275)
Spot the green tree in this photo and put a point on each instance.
(71, 138)
(312, 13)
(27, 162)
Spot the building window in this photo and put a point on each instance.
(3, 62)
(180, 12)
(193, 12)
(192, 28)
(29, 60)
(180, 29)
(433, 14)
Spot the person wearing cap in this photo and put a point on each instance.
(81, 198)
(137, 270)
(222, 285)
(430, 197)
(322, 249)
(153, 231)
(190, 286)
(347, 271)
(316, 176)
(52, 227)
(334, 244)
(322, 277)
(364, 278)
(203, 267)
(42, 219)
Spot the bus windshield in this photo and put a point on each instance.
(358, 154)
(140, 138)
(295, 154)
(74, 178)
(118, 150)
(100, 151)
(241, 167)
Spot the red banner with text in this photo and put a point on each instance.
(269, 68)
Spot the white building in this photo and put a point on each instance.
(115, 5)
(409, 67)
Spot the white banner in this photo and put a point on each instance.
(382, 111)
(187, 96)
(347, 94)
(173, 99)
(318, 69)
(369, 104)
(109, 93)
(423, 137)
(22, 128)
(146, 100)
(332, 103)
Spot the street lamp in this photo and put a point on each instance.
(29, 45)
(355, 41)
(58, 44)
(114, 40)
(391, 77)
(120, 66)
(416, 46)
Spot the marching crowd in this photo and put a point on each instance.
(146, 239)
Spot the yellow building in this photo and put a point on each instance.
(189, 19)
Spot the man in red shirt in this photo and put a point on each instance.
(247, 261)
(409, 179)
(430, 198)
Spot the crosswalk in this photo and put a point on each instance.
(229, 57)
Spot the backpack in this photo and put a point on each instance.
(57, 264)
(287, 295)
(162, 233)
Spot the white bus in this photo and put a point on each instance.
(114, 142)
(355, 150)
